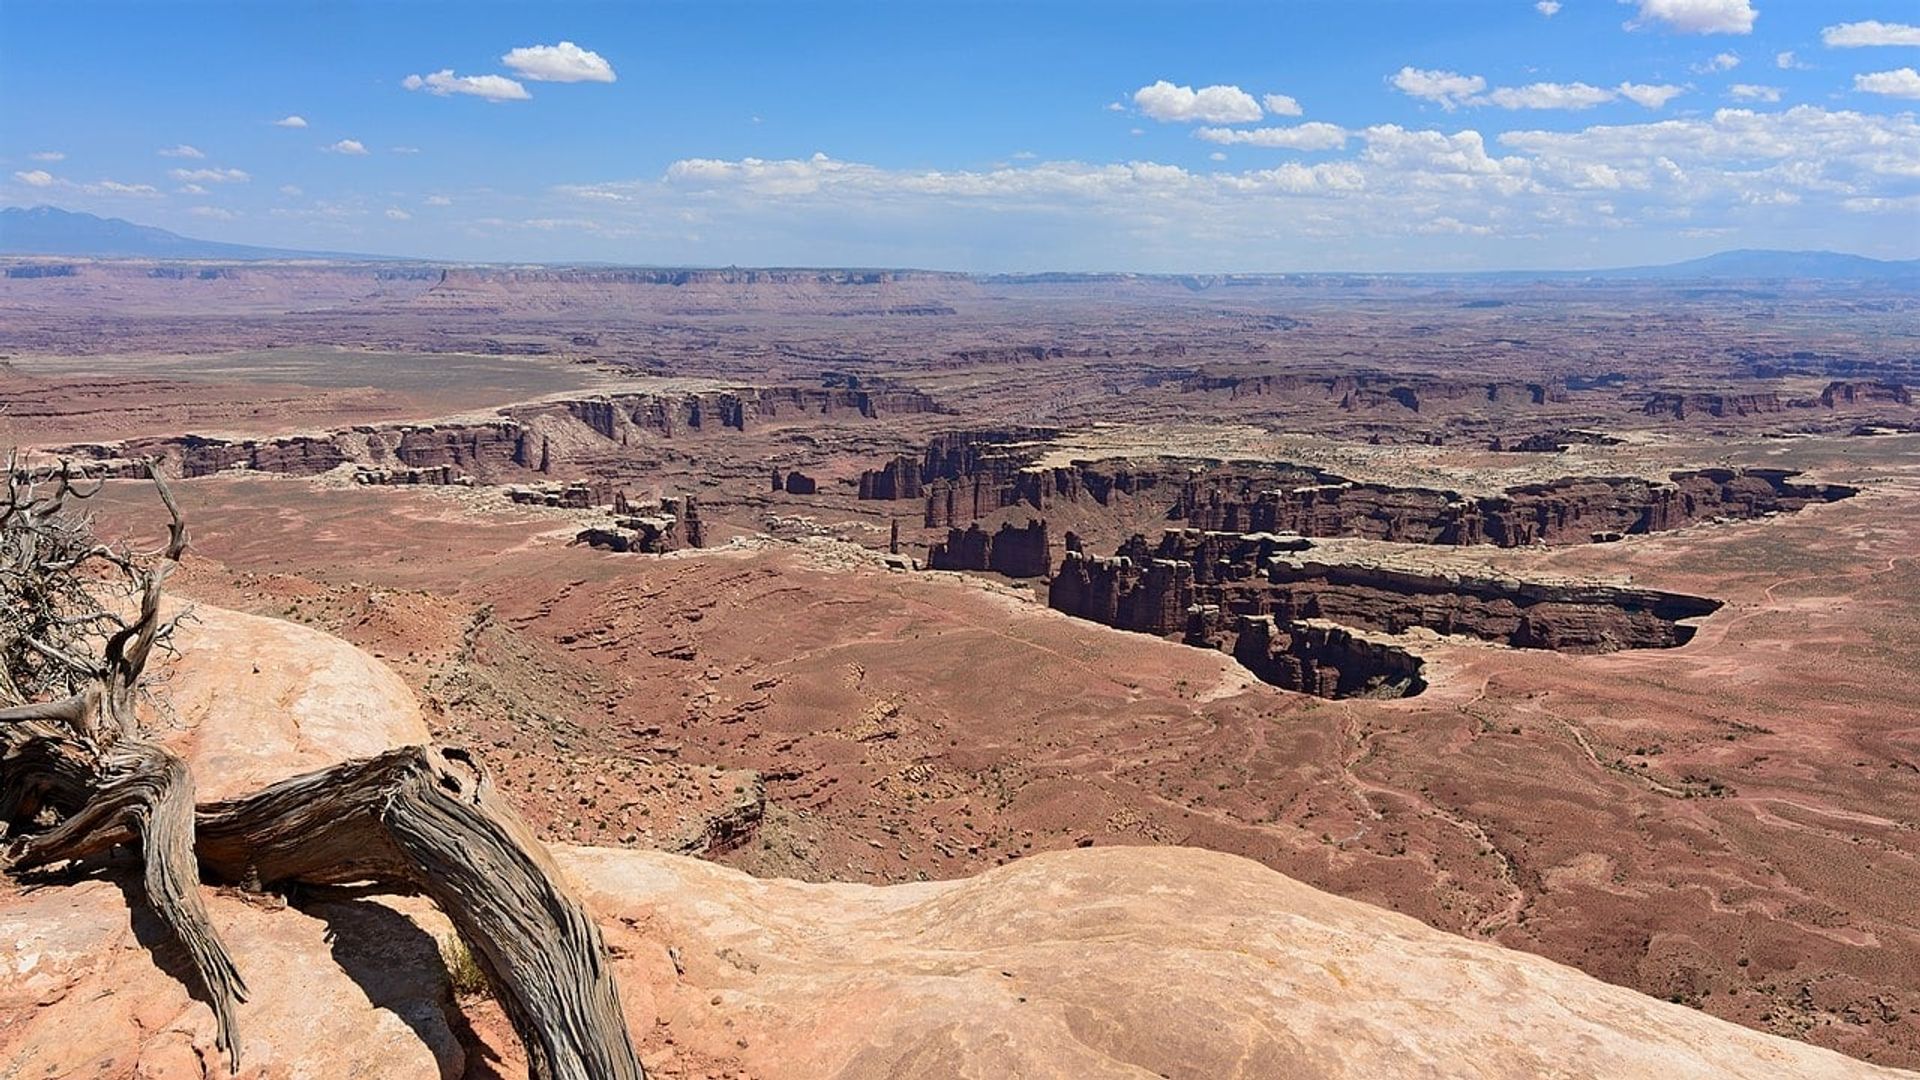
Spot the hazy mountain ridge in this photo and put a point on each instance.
(50, 231)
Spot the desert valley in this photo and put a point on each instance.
(1569, 616)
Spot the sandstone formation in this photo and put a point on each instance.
(1566, 511)
(966, 476)
(1369, 390)
(1683, 405)
(1118, 962)
(1016, 551)
(516, 443)
(342, 987)
(1214, 589)
(669, 525)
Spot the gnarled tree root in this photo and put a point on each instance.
(417, 819)
(426, 819)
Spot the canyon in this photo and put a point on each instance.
(1554, 652)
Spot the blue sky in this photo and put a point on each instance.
(1172, 136)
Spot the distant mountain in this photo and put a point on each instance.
(48, 230)
(1777, 265)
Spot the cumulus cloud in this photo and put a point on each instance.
(192, 189)
(1650, 95)
(1857, 35)
(214, 212)
(1900, 83)
(209, 176)
(394, 213)
(488, 87)
(1695, 16)
(352, 147)
(1452, 90)
(293, 121)
(1447, 89)
(438, 200)
(289, 189)
(1763, 176)
(564, 63)
(1725, 61)
(35, 178)
(1281, 105)
(1166, 102)
(1309, 136)
(1549, 8)
(181, 151)
(1550, 96)
(1786, 61)
(48, 155)
(1752, 92)
(115, 187)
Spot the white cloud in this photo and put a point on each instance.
(192, 189)
(1447, 89)
(1786, 61)
(352, 147)
(1762, 177)
(1752, 92)
(394, 213)
(1650, 95)
(1217, 156)
(1166, 102)
(289, 189)
(210, 176)
(1549, 8)
(1696, 16)
(1452, 90)
(404, 150)
(1550, 96)
(1900, 83)
(181, 151)
(565, 63)
(438, 200)
(213, 212)
(1309, 136)
(1281, 105)
(1725, 61)
(489, 87)
(48, 155)
(293, 121)
(1871, 32)
(35, 178)
(115, 187)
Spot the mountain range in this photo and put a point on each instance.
(47, 230)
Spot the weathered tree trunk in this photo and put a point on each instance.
(417, 819)
(426, 819)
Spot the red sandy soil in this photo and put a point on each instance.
(1730, 824)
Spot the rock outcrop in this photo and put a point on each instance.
(1574, 510)
(1107, 962)
(1119, 963)
(1016, 551)
(1212, 589)
(1320, 659)
(671, 524)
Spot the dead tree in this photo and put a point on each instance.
(79, 620)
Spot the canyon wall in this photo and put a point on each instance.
(1571, 510)
(1016, 551)
(1206, 586)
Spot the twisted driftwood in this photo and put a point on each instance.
(78, 776)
